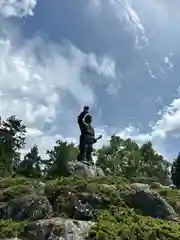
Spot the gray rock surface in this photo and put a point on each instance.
(150, 203)
(85, 170)
(30, 207)
(58, 229)
(140, 186)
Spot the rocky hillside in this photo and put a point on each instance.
(93, 207)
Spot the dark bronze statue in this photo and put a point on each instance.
(87, 137)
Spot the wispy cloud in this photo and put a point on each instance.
(17, 8)
(125, 13)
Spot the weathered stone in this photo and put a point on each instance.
(85, 204)
(149, 203)
(57, 229)
(30, 207)
(80, 206)
(85, 170)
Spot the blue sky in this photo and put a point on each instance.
(121, 57)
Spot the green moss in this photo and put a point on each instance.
(16, 191)
(127, 225)
(172, 196)
(156, 185)
(61, 193)
(10, 229)
(9, 182)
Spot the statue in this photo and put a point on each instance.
(87, 137)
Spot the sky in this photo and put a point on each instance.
(120, 57)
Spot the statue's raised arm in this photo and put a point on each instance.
(81, 116)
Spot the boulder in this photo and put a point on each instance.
(39, 188)
(85, 170)
(150, 203)
(85, 204)
(80, 206)
(57, 229)
(16, 191)
(30, 207)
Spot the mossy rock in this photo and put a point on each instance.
(30, 207)
(16, 191)
(63, 191)
(11, 229)
(114, 219)
(8, 182)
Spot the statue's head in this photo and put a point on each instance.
(86, 108)
(88, 118)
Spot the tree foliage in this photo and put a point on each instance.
(124, 157)
(175, 171)
(120, 157)
(12, 139)
(58, 158)
(31, 164)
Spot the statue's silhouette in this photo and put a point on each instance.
(87, 137)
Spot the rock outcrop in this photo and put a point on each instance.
(87, 208)
(85, 170)
(150, 203)
(30, 207)
(57, 228)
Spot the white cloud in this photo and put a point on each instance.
(106, 67)
(35, 88)
(169, 123)
(167, 65)
(134, 133)
(125, 13)
(44, 141)
(21, 8)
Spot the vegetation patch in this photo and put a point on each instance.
(11, 229)
(125, 224)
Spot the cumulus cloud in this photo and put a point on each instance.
(34, 88)
(169, 122)
(17, 8)
(37, 77)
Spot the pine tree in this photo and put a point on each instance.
(57, 164)
(12, 139)
(30, 166)
(175, 171)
